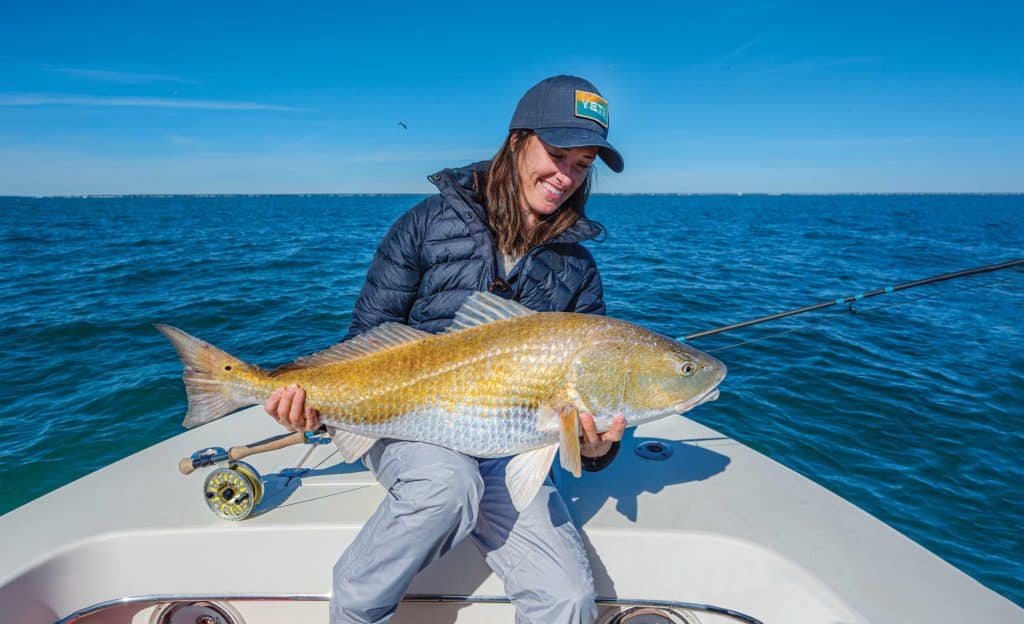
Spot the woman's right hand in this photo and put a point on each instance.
(288, 407)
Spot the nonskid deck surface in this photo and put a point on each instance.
(716, 523)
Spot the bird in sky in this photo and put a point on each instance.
(402, 123)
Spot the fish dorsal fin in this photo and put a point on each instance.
(483, 307)
(377, 339)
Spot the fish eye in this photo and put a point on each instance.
(227, 367)
(687, 368)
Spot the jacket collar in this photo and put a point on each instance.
(456, 187)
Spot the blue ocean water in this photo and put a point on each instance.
(912, 407)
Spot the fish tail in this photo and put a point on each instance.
(215, 382)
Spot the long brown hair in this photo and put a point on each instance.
(501, 198)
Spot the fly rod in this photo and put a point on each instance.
(854, 298)
(214, 455)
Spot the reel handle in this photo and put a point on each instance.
(187, 465)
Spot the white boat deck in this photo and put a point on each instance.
(716, 524)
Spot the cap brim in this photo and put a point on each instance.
(571, 138)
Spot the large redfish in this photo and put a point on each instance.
(502, 380)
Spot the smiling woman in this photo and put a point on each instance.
(512, 226)
(539, 181)
(549, 175)
(536, 191)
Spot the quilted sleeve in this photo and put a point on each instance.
(393, 279)
(590, 299)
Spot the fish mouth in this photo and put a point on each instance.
(710, 395)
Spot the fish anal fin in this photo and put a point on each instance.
(526, 473)
(377, 339)
(351, 445)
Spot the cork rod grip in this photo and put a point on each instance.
(187, 465)
(270, 444)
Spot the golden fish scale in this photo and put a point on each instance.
(519, 362)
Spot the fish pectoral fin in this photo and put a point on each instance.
(526, 472)
(351, 445)
(569, 436)
(574, 398)
(562, 413)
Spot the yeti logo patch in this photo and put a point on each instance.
(592, 106)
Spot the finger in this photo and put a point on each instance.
(295, 415)
(592, 444)
(589, 428)
(616, 431)
(271, 405)
(284, 408)
(312, 419)
(283, 400)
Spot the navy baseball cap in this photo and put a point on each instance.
(568, 112)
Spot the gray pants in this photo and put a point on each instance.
(435, 499)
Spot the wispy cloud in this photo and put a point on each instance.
(819, 64)
(855, 141)
(178, 139)
(27, 170)
(737, 52)
(120, 77)
(44, 99)
(845, 141)
(727, 59)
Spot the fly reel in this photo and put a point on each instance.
(232, 492)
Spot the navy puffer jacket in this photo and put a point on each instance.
(441, 251)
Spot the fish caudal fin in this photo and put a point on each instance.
(208, 371)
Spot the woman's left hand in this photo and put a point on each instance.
(594, 444)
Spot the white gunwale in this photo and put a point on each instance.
(715, 524)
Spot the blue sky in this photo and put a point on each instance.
(245, 97)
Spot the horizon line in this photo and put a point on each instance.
(413, 194)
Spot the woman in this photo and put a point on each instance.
(512, 226)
